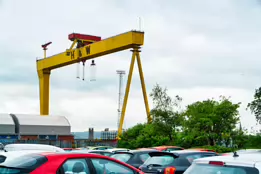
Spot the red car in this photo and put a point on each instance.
(168, 148)
(66, 163)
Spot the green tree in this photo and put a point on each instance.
(128, 138)
(210, 120)
(142, 135)
(255, 105)
(165, 113)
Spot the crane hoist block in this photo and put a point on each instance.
(84, 37)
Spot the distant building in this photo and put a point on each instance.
(109, 135)
(85, 135)
(7, 125)
(24, 127)
(95, 135)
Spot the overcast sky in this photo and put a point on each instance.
(198, 49)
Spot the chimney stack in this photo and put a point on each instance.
(91, 133)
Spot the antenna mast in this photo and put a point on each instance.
(121, 73)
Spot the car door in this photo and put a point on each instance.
(105, 166)
(75, 166)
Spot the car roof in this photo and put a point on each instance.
(136, 151)
(83, 155)
(16, 147)
(69, 154)
(190, 151)
(241, 160)
(163, 147)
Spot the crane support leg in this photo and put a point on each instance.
(142, 81)
(127, 90)
(44, 80)
(135, 55)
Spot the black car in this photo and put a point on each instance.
(133, 157)
(176, 162)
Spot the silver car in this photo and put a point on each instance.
(230, 164)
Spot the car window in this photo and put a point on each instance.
(144, 157)
(214, 169)
(160, 160)
(104, 166)
(25, 163)
(191, 158)
(74, 166)
(124, 157)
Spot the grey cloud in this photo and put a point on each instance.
(204, 39)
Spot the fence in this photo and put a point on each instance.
(84, 143)
(63, 143)
(58, 143)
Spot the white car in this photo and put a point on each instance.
(7, 156)
(117, 150)
(230, 164)
(42, 147)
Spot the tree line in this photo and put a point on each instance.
(209, 123)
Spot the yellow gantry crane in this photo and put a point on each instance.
(86, 47)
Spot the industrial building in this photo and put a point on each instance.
(54, 130)
(98, 138)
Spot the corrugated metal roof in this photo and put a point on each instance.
(6, 119)
(25, 119)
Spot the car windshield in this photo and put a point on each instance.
(26, 162)
(215, 169)
(124, 157)
(160, 160)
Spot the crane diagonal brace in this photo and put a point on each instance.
(107, 46)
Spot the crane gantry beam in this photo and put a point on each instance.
(92, 50)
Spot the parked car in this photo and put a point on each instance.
(101, 152)
(101, 148)
(68, 149)
(117, 150)
(243, 151)
(7, 156)
(168, 148)
(134, 157)
(167, 162)
(234, 164)
(202, 149)
(61, 163)
(43, 147)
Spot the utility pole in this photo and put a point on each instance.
(121, 73)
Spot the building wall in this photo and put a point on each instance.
(7, 129)
(7, 125)
(44, 130)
